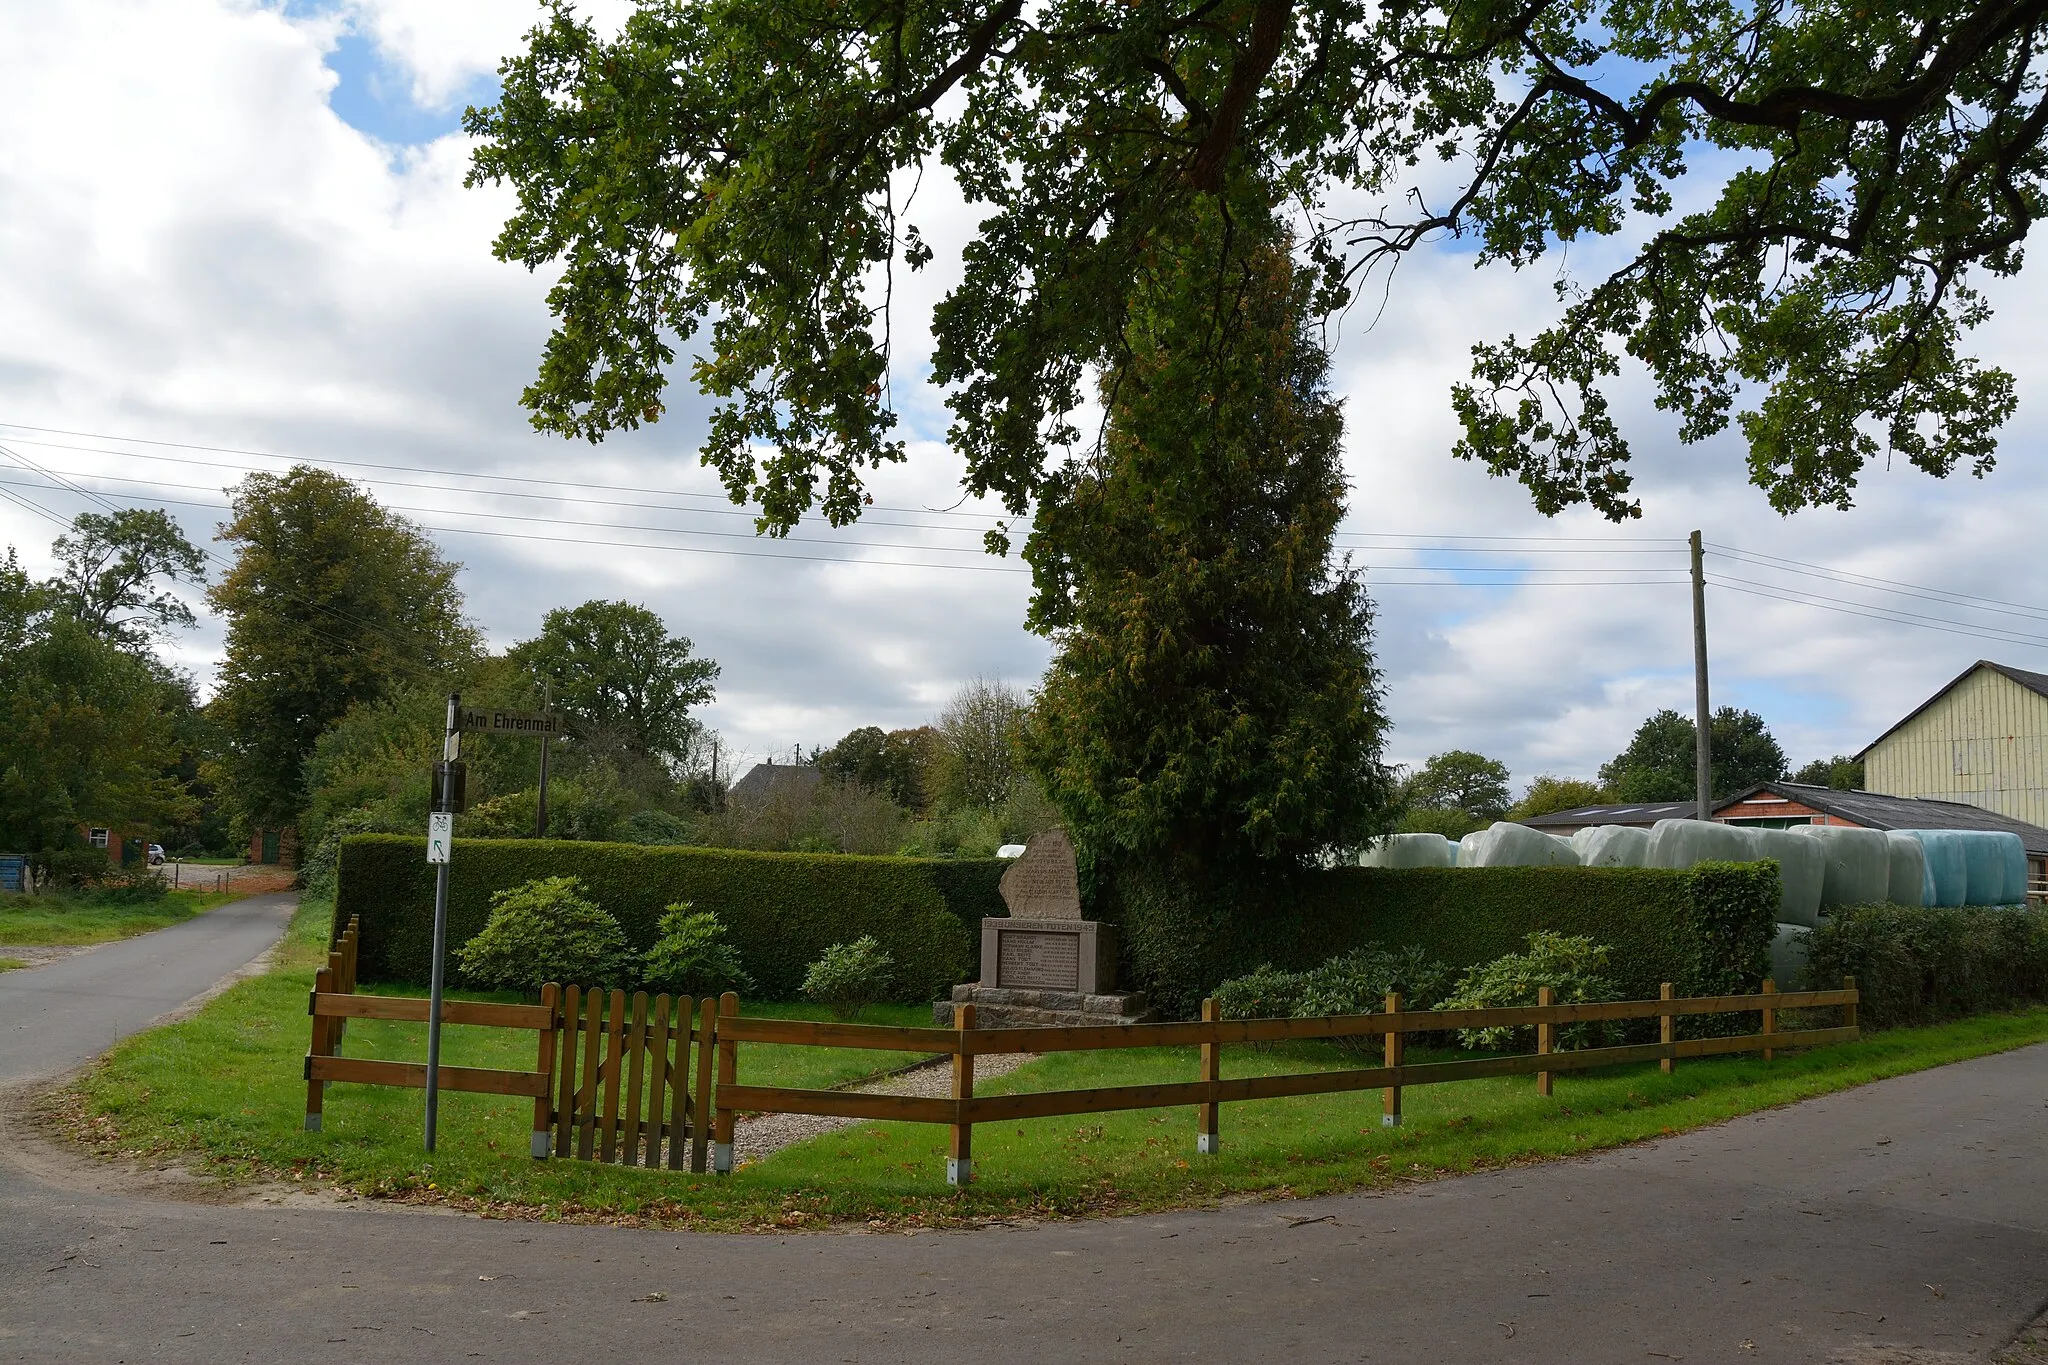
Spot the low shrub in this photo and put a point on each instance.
(1356, 983)
(546, 930)
(1264, 993)
(135, 886)
(692, 956)
(1918, 965)
(1572, 965)
(850, 976)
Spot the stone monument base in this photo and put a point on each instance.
(1013, 1007)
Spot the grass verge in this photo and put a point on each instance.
(224, 1087)
(59, 919)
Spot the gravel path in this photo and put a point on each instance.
(758, 1135)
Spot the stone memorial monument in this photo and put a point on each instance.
(1044, 964)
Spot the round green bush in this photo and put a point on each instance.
(546, 930)
(850, 976)
(692, 956)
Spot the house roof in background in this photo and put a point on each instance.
(1875, 811)
(2036, 683)
(765, 781)
(1624, 813)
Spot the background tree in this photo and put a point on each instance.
(976, 760)
(623, 681)
(1547, 795)
(1460, 780)
(736, 166)
(332, 602)
(117, 570)
(1658, 764)
(86, 732)
(1843, 773)
(897, 763)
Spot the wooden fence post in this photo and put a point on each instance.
(586, 1089)
(700, 1098)
(1208, 1141)
(1390, 1098)
(1667, 1031)
(658, 1076)
(550, 1000)
(614, 1038)
(728, 1074)
(1546, 1038)
(1849, 1010)
(679, 1083)
(960, 1151)
(565, 1082)
(1770, 1019)
(636, 1074)
(323, 982)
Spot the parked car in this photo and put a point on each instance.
(156, 855)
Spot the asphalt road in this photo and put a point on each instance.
(1902, 1222)
(58, 1017)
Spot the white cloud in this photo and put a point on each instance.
(197, 248)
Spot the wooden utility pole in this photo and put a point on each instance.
(1703, 734)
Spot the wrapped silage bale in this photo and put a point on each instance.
(1508, 844)
(1789, 952)
(1859, 864)
(1683, 843)
(1948, 867)
(1997, 864)
(1908, 884)
(1802, 869)
(1612, 846)
(1472, 848)
(1410, 850)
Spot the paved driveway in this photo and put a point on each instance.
(1902, 1222)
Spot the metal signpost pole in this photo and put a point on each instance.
(1703, 718)
(440, 843)
(540, 806)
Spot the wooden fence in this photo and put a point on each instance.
(963, 1109)
(613, 1078)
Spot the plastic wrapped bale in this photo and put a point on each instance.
(1997, 863)
(1684, 843)
(1802, 868)
(1948, 868)
(1472, 848)
(1908, 885)
(1410, 850)
(1612, 846)
(1859, 864)
(1789, 956)
(1511, 845)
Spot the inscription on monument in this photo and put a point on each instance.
(1045, 883)
(1039, 961)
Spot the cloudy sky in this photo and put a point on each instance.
(234, 234)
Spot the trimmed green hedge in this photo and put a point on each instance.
(780, 909)
(1706, 930)
(1918, 965)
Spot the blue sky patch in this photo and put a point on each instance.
(374, 96)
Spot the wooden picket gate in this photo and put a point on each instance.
(612, 1078)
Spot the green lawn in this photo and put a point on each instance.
(226, 1086)
(62, 919)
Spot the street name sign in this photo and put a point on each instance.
(478, 720)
